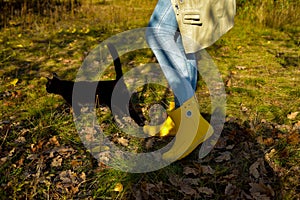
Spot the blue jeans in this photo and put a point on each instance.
(179, 68)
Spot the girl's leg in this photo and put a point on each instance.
(179, 68)
(191, 63)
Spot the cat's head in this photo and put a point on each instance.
(53, 84)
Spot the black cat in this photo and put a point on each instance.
(103, 94)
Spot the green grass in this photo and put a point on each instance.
(41, 153)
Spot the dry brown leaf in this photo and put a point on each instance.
(229, 176)
(76, 163)
(229, 147)
(292, 115)
(269, 141)
(254, 169)
(149, 143)
(241, 67)
(228, 82)
(261, 188)
(191, 181)
(258, 196)
(54, 141)
(11, 153)
(36, 147)
(206, 169)
(175, 180)
(68, 178)
(297, 125)
(74, 190)
(225, 156)
(21, 140)
(190, 170)
(56, 162)
(244, 195)
(260, 139)
(63, 176)
(205, 190)
(3, 160)
(124, 142)
(40, 144)
(230, 189)
(147, 187)
(66, 152)
(222, 143)
(82, 176)
(188, 190)
(293, 138)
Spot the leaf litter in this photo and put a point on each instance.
(239, 167)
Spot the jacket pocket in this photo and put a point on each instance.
(191, 17)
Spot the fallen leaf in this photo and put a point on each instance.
(68, 178)
(241, 67)
(190, 170)
(11, 153)
(225, 156)
(205, 190)
(54, 141)
(20, 139)
(222, 143)
(261, 188)
(254, 169)
(21, 162)
(229, 147)
(40, 145)
(293, 138)
(64, 177)
(297, 125)
(118, 187)
(269, 141)
(83, 176)
(56, 162)
(228, 82)
(124, 142)
(147, 187)
(175, 180)
(3, 160)
(74, 190)
(207, 169)
(188, 190)
(149, 143)
(229, 176)
(258, 168)
(191, 181)
(292, 115)
(260, 139)
(76, 163)
(230, 189)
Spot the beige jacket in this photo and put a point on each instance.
(203, 22)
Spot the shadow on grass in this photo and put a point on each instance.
(240, 166)
(235, 169)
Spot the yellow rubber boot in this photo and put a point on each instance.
(166, 128)
(192, 129)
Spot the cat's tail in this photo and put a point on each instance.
(117, 62)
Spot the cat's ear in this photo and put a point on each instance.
(49, 79)
(55, 75)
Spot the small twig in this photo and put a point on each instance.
(6, 133)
